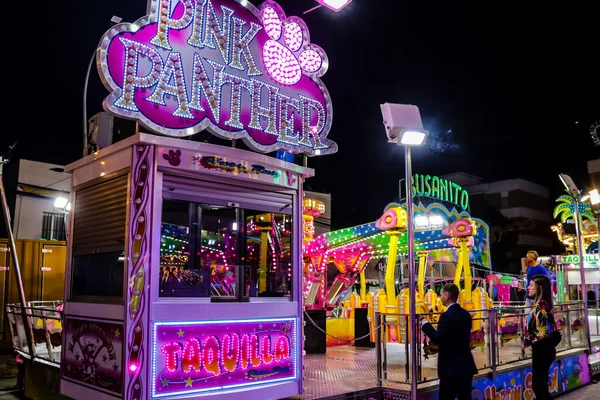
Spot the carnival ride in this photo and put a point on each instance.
(456, 238)
(174, 257)
(268, 245)
(589, 226)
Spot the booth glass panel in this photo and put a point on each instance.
(197, 249)
(203, 246)
(268, 238)
(218, 248)
(98, 277)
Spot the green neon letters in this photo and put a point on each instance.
(440, 189)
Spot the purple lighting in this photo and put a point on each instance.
(281, 60)
(223, 65)
(133, 367)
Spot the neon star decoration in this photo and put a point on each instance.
(222, 65)
(221, 355)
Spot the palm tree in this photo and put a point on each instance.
(566, 209)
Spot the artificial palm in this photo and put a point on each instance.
(566, 209)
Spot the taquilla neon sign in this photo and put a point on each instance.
(222, 65)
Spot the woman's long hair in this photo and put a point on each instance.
(543, 289)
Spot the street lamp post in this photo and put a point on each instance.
(114, 20)
(404, 128)
(595, 202)
(411, 272)
(576, 195)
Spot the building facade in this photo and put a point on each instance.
(526, 206)
(35, 216)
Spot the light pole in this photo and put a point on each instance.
(404, 127)
(575, 193)
(594, 197)
(115, 20)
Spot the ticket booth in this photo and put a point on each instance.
(184, 273)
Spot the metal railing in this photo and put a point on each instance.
(44, 323)
(594, 323)
(496, 344)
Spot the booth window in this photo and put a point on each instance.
(203, 246)
(98, 275)
(53, 226)
(268, 254)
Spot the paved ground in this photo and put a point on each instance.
(8, 381)
(8, 373)
(589, 392)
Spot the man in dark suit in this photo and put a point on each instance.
(456, 366)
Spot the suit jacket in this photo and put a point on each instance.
(453, 338)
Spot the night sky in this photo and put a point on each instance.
(507, 90)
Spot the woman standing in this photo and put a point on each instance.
(539, 328)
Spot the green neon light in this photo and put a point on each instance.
(440, 189)
(574, 259)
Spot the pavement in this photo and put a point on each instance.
(8, 381)
(8, 377)
(588, 392)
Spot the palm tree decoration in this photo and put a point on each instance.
(566, 209)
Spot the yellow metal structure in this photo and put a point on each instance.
(43, 264)
(263, 221)
(394, 220)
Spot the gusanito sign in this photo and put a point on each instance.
(440, 189)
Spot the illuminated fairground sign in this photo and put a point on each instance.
(196, 357)
(574, 259)
(221, 65)
(440, 189)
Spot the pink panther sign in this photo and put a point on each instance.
(222, 65)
